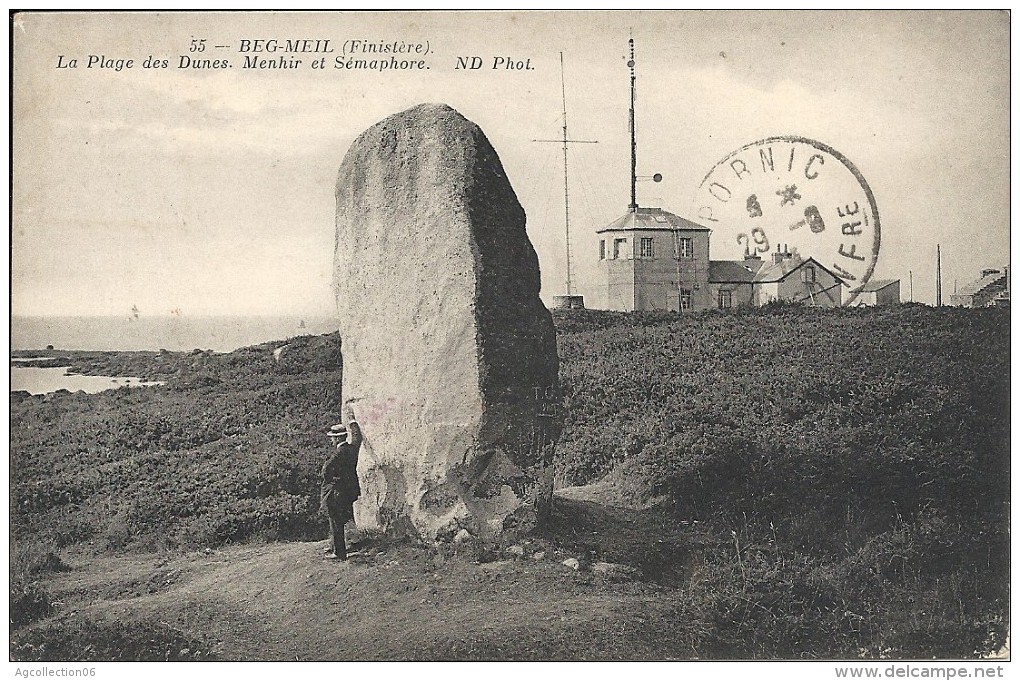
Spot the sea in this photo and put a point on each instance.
(40, 381)
(174, 332)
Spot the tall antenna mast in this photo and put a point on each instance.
(566, 141)
(633, 130)
(938, 275)
(566, 184)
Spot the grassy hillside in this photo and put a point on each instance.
(789, 482)
(858, 461)
(227, 450)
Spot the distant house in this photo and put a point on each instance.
(791, 278)
(784, 277)
(992, 288)
(731, 282)
(879, 292)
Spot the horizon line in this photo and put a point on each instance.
(320, 315)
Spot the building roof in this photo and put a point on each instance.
(652, 219)
(878, 284)
(773, 272)
(976, 286)
(732, 271)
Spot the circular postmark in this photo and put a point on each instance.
(792, 192)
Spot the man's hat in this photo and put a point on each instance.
(338, 430)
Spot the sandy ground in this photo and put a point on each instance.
(285, 601)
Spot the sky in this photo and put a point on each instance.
(202, 192)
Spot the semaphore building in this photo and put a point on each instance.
(651, 259)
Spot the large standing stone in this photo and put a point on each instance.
(448, 351)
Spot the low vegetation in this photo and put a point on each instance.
(804, 483)
(227, 450)
(88, 640)
(852, 466)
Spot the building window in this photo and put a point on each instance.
(647, 248)
(618, 246)
(725, 300)
(685, 299)
(686, 247)
(602, 249)
(808, 274)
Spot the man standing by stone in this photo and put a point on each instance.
(340, 488)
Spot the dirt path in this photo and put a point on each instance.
(283, 601)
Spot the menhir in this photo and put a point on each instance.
(449, 355)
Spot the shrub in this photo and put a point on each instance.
(29, 602)
(32, 558)
(88, 640)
